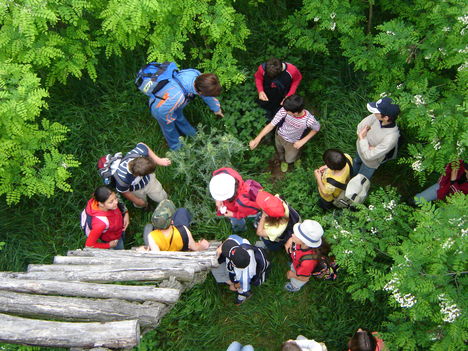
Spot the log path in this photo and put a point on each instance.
(96, 299)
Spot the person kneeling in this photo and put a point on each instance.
(169, 230)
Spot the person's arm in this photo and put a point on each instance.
(259, 81)
(261, 226)
(152, 244)
(126, 220)
(300, 143)
(135, 199)
(302, 278)
(373, 153)
(193, 245)
(322, 188)
(296, 78)
(365, 122)
(213, 104)
(158, 160)
(94, 235)
(267, 129)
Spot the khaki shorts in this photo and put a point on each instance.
(153, 190)
(286, 150)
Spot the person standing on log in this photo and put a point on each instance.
(104, 220)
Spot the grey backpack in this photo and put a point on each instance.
(355, 192)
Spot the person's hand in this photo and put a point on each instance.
(453, 174)
(142, 249)
(363, 133)
(126, 220)
(165, 162)
(228, 214)
(262, 96)
(232, 287)
(318, 174)
(298, 144)
(323, 168)
(219, 113)
(204, 244)
(290, 274)
(288, 246)
(140, 203)
(253, 143)
(113, 243)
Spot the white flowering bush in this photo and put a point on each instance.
(417, 258)
(416, 54)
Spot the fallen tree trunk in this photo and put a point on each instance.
(103, 291)
(16, 330)
(166, 261)
(105, 276)
(83, 310)
(117, 267)
(192, 255)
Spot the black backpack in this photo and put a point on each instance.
(263, 264)
(107, 167)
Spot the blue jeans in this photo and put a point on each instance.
(429, 194)
(120, 244)
(236, 346)
(239, 224)
(361, 168)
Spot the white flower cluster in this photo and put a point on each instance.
(374, 231)
(460, 148)
(417, 166)
(399, 86)
(347, 252)
(418, 100)
(463, 51)
(388, 218)
(345, 233)
(463, 67)
(428, 57)
(384, 94)
(443, 51)
(371, 207)
(333, 26)
(332, 15)
(446, 29)
(436, 144)
(448, 243)
(406, 300)
(464, 232)
(389, 32)
(432, 115)
(449, 311)
(390, 206)
(463, 19)
(64, 165)
(316, 19)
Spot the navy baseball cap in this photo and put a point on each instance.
(385, 107)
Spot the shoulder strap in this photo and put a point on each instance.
(116, 175)
(309, 257)
(336, 183)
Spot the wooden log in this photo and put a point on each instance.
(81, 289)
(83, 260)
(17, 330)
(82, 310)
(115, 275)
(118, 267)
(148, 254)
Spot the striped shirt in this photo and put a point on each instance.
(134, 182)
(293, 127)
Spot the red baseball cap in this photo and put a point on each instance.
(270, 204)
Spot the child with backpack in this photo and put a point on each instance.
(292, 121)
(170, 90)
(104, 220)
(169, 230)
(332, 177)
(246, 265)
(275, 226)
(235, 198)
(303, 249)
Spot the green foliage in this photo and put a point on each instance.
(193, 165)
(416, 53)
(30, 161)
(245, 119)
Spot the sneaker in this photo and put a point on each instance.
(297, 164)
(247, 296)
(284, 167)
(289, 287)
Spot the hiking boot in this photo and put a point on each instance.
(247, 296)
(289, 287)
(284, 167)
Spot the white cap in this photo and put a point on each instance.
(309, 232)
(222, 186)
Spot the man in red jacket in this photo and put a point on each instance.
(275, 80)
(454, 180)
(235, 198)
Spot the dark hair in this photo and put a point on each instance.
(362, 341)
(273, 67)
(290, 346)
(207, 84)
(102, 193)
(334, 159)
(141, 166)
(294, 103)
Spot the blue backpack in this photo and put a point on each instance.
(154, 76)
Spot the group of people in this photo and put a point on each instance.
(278, 225)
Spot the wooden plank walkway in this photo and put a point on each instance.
(111, 296)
